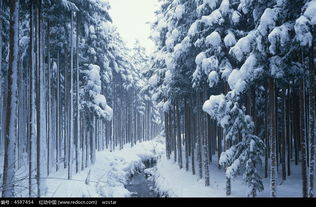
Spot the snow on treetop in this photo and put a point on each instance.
(267, 20)
(213, 78)
(303, 34)
(311, 11)
(153, 80)
(302, 30)
(276, 68)
(224, 7)
(243, 46)
(212, 105)
(209, 64)
(238, 79)
(94, 78)
(97, 102)
(194, 28)
(236, 17)
(227, 155)
(225, 68)
(230, 39)
(278, 35)
(106, 27)
(101, 107)
(175, 34)
(199, 58)
(180, 10)
(212, 3)
(214, 39)
(244, 6)
(214, 18)
(162, 24)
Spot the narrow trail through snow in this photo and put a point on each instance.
(111, 174)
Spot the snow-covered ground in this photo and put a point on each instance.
(107, 176)
(177, 182)
(112, 171)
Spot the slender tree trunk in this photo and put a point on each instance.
(40, 126)
(205, 143)
(312, 114)
(71, 130)
(186, 133)
(295, 125)
(199, 135)
(77, 99)
(179, 136)
(32, 124)
(11, 107)
(167, 134)
(272, 126)
(267, 135)
(58, 112)
(303, 138)
(66, 116)
(288, 130)
(193, 135)
(49, 105)
(283, 137)
(174, 133)
(1, 82)
(82, 143)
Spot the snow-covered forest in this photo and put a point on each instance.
(224, 105)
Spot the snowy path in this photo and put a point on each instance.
(108, 175)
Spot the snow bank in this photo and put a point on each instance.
(108, 175)
(174, 182)
(214, 39)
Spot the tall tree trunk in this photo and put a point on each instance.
(1, 82)
(205, 142)
(303, 138)
(199, 134)
(186, 133)
(179, 143)
(49, 105)
(272, 135)
(288, 132)
(295, 125)
(267, 135)
(312, 114)
(93, 143)
(58, 112)
(283, 137)
(32, 124)
(38, 99)
(11, 107)
(71, 128)
(167, 134)
(77, 99)
(174, 132)
(193, 135)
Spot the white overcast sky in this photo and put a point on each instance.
(131, 16)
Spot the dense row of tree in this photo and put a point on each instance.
(250, 66)
(68, 87)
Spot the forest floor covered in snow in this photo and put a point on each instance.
(175, 182)
(112, 171)
(108, 175)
